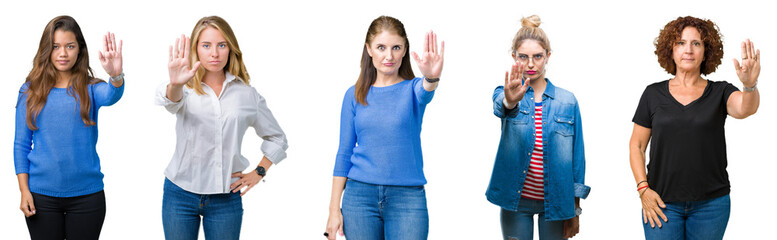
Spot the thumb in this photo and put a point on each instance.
(415, 56)
(736, 64)
(31, 206)
(194, 68)
(661, 203)
(100, 55)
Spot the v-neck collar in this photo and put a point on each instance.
(692, 103)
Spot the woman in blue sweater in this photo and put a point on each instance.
(379, 166)
(56, 133)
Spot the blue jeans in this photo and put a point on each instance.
(706, 219)
(520, 224)
(375, 212)
(222, 214)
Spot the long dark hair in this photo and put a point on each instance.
(43, 75)
(368, 73)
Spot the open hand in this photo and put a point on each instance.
(514, 87)
(751, 64)
(178, 66)
(110, 56)
(430, 61)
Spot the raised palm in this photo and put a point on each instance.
(514, 87)
(430, 61)
(751, 64)
(110, 56)
(178, 66)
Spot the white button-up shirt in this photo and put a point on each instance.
(209, 133)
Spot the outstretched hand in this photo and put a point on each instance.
(751, 64)
(178, 65)
(110, 56)
(430, 61)
(514, 87)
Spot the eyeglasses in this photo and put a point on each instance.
(536, 57)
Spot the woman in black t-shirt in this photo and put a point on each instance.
(685, 193)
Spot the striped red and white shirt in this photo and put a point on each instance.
(533, 185)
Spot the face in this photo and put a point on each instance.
(64, 51)
(688, 51)
(534, 57)
(212, 50)
(387, 50)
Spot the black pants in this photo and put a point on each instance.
(72, 218)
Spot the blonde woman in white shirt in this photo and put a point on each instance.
(214, 104)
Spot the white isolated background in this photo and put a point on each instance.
(303, 55)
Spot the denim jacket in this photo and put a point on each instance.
(564, 157)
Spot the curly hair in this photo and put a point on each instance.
(710, 35)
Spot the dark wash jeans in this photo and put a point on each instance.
(74, 218)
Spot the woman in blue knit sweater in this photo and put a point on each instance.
(379, 166)
(56, 133)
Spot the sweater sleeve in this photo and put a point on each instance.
(422, 96)
(275, 143)
(105, 94)
(22, 144)
(347, 135)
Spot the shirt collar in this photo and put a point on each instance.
(229, 77)
(550, 90)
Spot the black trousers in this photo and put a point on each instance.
(72, 218)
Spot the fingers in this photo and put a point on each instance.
(105, 43)
(426, 43)
(507, 76)
(121, 44)
(650, 219)
(171, 53)
(434, 42)
(113, 41)
(248, 188)
(185, 50)
(750, 49)
(644, 216)
(340, 230)
(177, 49)
(442, 50)
(744, 50)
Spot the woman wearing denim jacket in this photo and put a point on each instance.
(537, 173)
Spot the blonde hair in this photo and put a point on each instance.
(234, 62)
(530, 30)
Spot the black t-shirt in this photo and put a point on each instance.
(688, 143)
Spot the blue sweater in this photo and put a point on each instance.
(381, 143)
(61, 156)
